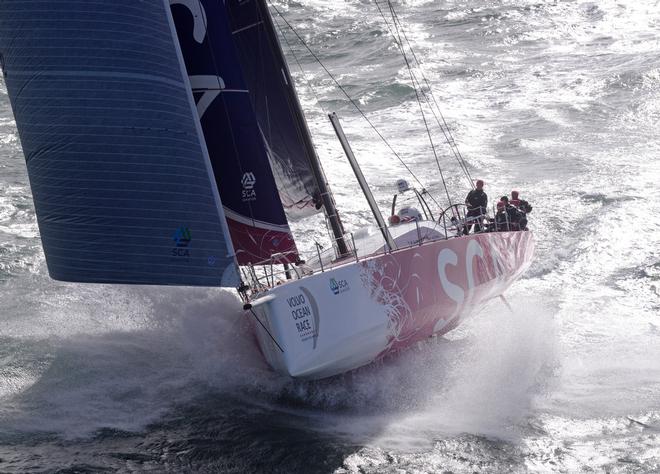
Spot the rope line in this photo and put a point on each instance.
(265, 329)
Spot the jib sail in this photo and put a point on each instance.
(276, 105)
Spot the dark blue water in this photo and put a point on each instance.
(560, 100)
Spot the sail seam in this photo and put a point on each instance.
(124, 75)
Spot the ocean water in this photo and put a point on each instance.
(558, 99)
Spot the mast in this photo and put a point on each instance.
(314, 162)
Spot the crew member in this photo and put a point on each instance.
(523, 206)
(501, 221)
(514, 216)
(514, 199)
(476, 202)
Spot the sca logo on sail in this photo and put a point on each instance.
(182, 238)
(339, 286)
(248, 181)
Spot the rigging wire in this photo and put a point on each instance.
(451, 142)
(350, 99)
(444, 127)
(421, 107)
(316, 96)
(300, 68)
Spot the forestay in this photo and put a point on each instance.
(119, 173)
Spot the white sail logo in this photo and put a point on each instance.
(199, 17)
(248, 181)
(208, 87)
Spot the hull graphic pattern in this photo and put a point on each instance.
(363, 311)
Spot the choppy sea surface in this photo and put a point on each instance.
(558, 99)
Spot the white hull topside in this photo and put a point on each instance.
(340, 319)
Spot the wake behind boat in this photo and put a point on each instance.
(166, 145)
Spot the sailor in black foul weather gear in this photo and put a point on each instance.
(523, 206)
(476, 202)
(515, 219)
(501, 221)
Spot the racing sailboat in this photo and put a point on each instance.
(165, 145)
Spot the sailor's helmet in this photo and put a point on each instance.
(409, 213)
(402, 185)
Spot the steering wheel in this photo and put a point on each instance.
(459, 211)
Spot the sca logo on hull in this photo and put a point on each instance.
(339, 286)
